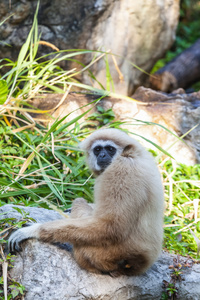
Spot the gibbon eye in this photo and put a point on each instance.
(97, 149)
(111, 150)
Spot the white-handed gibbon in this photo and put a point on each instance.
(122, 233)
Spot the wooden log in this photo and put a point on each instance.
(182, 71)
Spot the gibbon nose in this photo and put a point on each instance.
(102, 154)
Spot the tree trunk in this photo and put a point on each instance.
(182, 71)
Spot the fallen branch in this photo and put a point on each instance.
(182, 71)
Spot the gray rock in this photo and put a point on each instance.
(138, 31)
(41, 215)
(50, 273)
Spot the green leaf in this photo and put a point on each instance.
(3, 91)
(155, 145)
(49, 182)
(14, 291)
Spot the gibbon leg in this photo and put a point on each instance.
(94, 260)
(83, 231)
(83, 261)
(80, 209)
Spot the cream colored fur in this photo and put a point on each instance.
(123, 233)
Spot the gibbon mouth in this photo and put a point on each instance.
(103, 165)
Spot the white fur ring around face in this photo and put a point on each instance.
(20, 235)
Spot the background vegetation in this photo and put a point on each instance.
(186, 35)
(42, 166)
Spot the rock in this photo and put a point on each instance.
(41, 215)
(48, 272)
(148, 31)
(177, 112)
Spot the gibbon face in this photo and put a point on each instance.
(104, 146)
(103, 153)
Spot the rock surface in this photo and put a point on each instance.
(177, 112)
(50, 273)
(138, 31)
(41, 215)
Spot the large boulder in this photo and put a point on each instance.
(178, 112)
(50, 272)
(137, 31)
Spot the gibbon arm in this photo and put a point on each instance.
(83, 231)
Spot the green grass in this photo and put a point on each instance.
(182, 186)
(43, 166)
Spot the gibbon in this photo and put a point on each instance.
(122, 233)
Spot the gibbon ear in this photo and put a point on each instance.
(128, 150)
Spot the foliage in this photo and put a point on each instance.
(182, 188)
(43, 166)
(102, 116)
(3, 91)
(182, 182)
(47, 181)
(187, 32)
(170, 291)
(9, 288)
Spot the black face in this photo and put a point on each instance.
(104, 155)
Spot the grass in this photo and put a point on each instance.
(182, 187)
(42, 166)
(182, 182)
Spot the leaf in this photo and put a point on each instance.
(196, 240)
(155, 145)
(109, 80)
(49, 182)
(3, 91)
(19, 210)
(14, 291)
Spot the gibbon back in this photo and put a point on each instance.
(122, 233)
